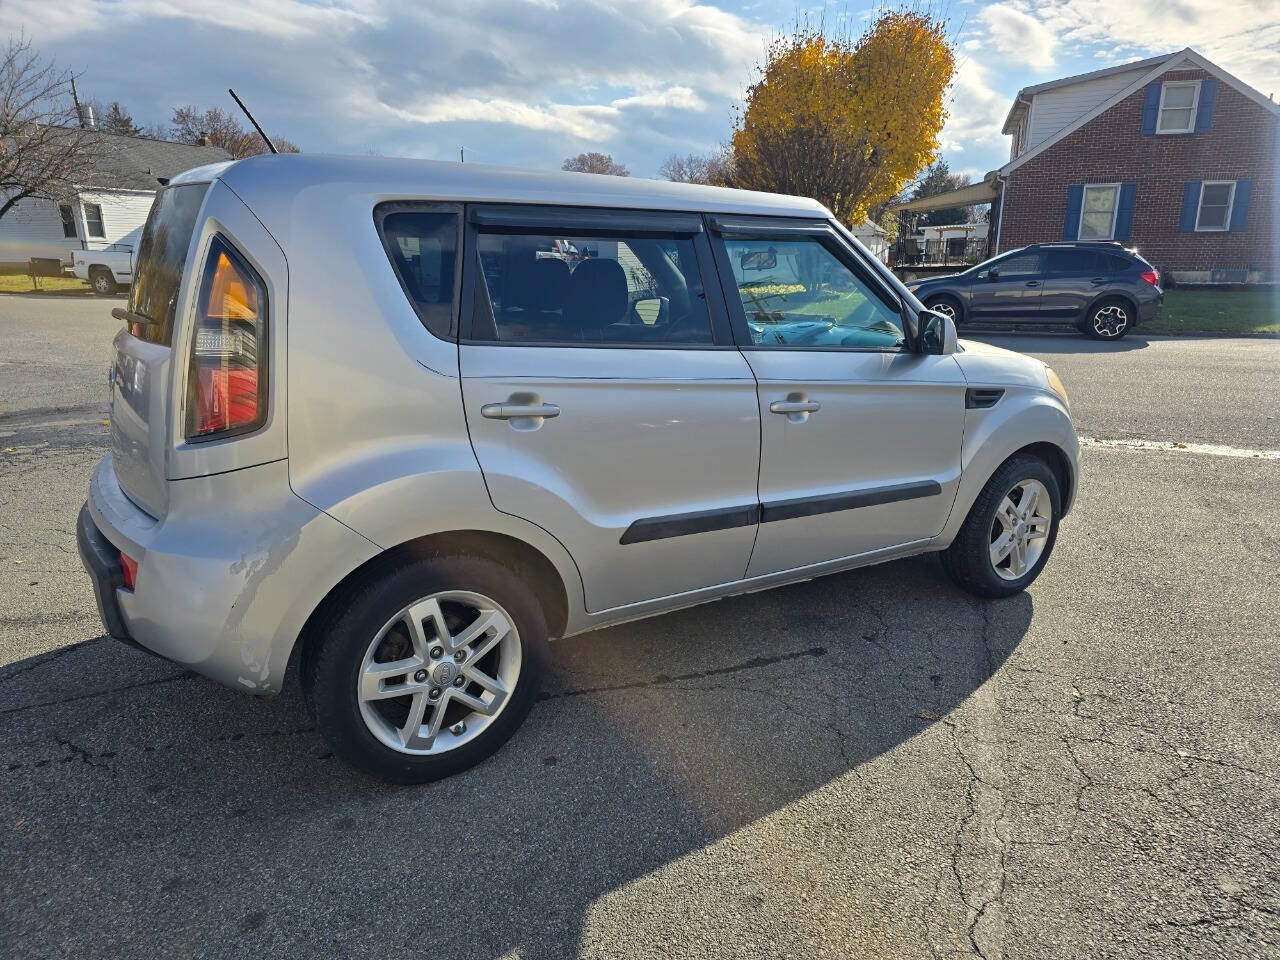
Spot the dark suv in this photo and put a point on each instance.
(1102, 289)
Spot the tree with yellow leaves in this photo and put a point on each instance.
(846, 122)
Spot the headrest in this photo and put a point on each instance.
(597, 294)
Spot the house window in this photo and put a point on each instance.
(1214, 212)
(93, 220)
(1178, 107)
(1098, 212)
(68, 220)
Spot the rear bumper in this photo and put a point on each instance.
(102, 562)
(226, 580)
(1149, 309)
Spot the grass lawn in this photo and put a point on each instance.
(21, 283)
(1218, 311)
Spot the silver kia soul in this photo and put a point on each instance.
(405, 421)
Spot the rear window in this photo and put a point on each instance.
(162, 257)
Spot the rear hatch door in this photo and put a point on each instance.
(140, 372)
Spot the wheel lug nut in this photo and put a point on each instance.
(458, 729)
(420, 676)
(434, 693)
(437, 653)
(459, 680)
(460, 656)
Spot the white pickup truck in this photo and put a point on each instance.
(109, 269)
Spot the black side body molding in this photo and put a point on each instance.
(683, 524)
(726, 518)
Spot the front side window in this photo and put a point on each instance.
(1017, 265)
(1215, 205)
(601, 290)
(93, 220)
(1098, 212)
(68, 220)
(423, 246)
(797, 293)
(1178, 107)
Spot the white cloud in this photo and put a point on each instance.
(976, 110)
(525, 81)
(1242, 37)
(1018, 37)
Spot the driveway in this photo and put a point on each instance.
(867, 765)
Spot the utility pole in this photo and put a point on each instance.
(462, 154)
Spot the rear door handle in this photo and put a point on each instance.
(795, 406)
(511, 411)
(1033, 283)
(1097, 280)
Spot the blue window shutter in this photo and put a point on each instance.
(1190, 203)
(1075, 198)
(1240, 205)
(1151, 107)
(1204, 110)
(1124, 212)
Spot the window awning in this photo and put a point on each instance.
(982, 192)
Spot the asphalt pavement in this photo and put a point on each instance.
(872, 764)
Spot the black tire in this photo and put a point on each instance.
(1109, 319)
(332, 666)
(103, 283)
(968, 559)
(949, 302)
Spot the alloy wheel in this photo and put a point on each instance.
(439, 672)
(1020, 529)
(102, 283)
(1110, 321)
(945, 308)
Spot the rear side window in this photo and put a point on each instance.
(162, 258)
(591, 289)
(423, 247)
(1070, 262)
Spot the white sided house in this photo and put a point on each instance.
(108, 211)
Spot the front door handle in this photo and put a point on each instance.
(513, 411)
(795, 406)
(1033, 283)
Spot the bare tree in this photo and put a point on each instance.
(215, 127)
(595, 163)
(714, 169)
(43, 150)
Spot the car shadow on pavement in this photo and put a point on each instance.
(185, 813)
(1028, 341)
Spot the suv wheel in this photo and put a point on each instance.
(948, 307)
(1109, 319)
(1010, 531)
(102, 282)
(428, 670)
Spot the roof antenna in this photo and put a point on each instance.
(265, 139)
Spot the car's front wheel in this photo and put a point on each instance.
(947, 306)
(427, 670)
(1010, 530)
(102, 282)
(1109, 319)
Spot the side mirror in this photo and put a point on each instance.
(993, 273)
(937, 333)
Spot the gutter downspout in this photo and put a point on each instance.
(1000, 222)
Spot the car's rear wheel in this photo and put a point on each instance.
(429, 669)
(947, 306)
(1109, 319)
(1010, 531)
(103, 283)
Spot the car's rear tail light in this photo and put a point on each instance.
(129, 570)
(227, 379)
(1151, 277)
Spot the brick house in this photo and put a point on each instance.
(1172, 155)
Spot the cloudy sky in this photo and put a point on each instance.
(530, 82)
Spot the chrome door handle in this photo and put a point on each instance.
(795, 406)
(510, 411)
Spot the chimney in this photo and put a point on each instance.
(86, 117)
